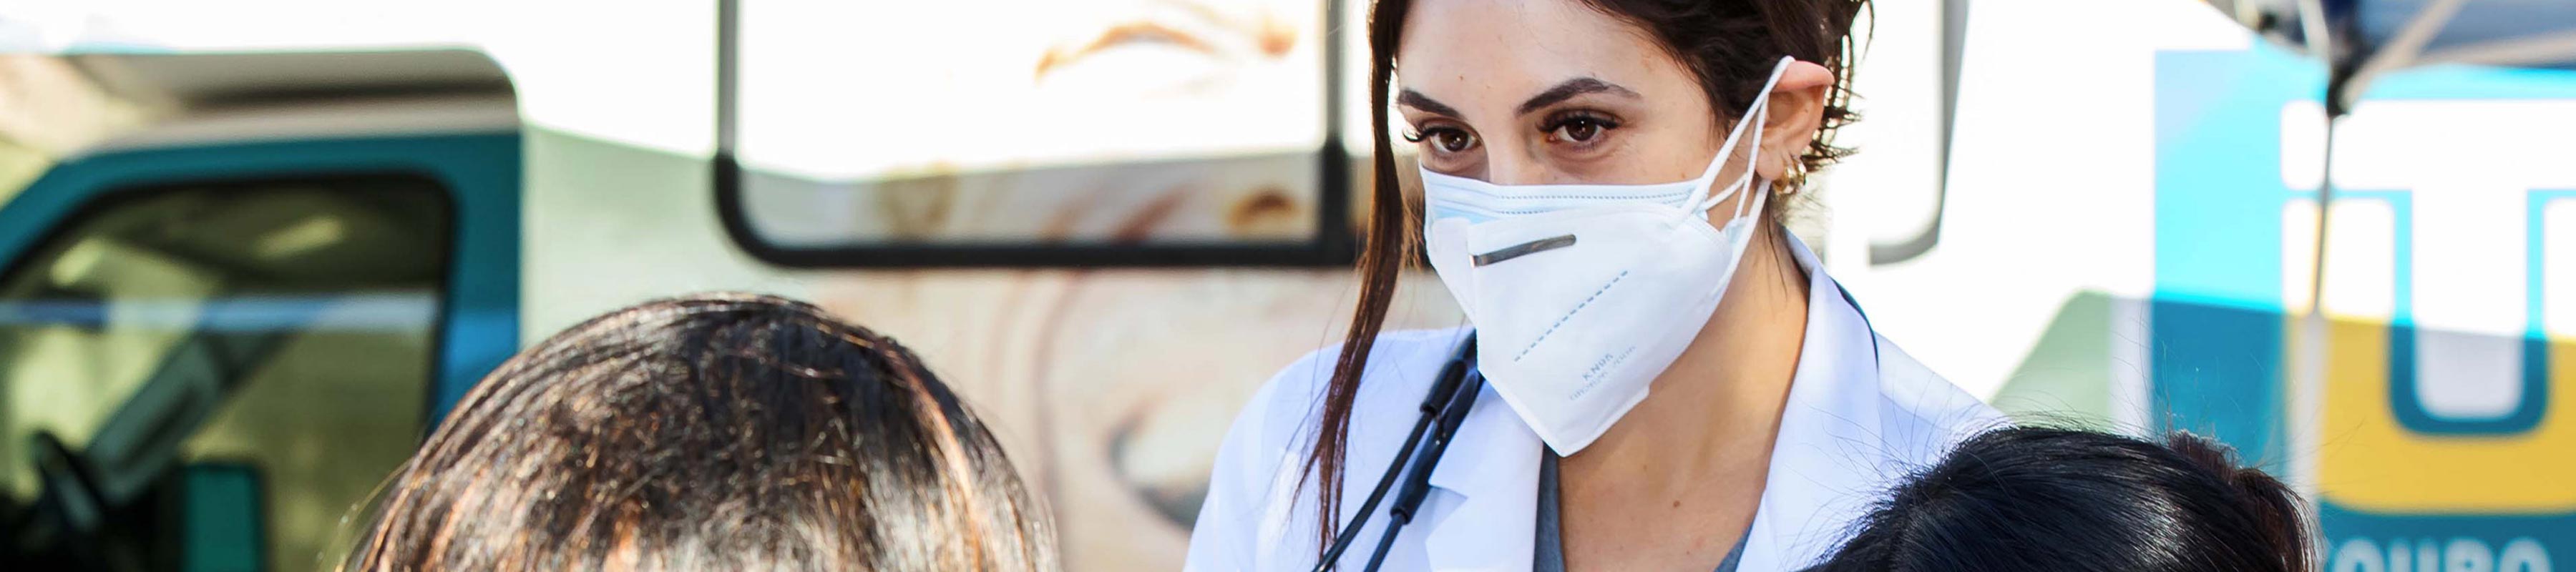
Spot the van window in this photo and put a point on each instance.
(1079, 132)
(282, 330)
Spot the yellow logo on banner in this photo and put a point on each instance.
(2370, 461)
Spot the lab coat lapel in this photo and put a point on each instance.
(1823, 462)
(1490, 480)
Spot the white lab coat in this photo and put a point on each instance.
(1861, 413)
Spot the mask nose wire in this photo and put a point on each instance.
(1706, 197)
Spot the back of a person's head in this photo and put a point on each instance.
(720, 432)
(2056, 499)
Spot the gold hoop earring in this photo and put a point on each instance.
(1793, 177)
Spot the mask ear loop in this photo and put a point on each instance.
(1757, 114)
(1744, 183)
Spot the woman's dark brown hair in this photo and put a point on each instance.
(717, 432)
(1729, 46)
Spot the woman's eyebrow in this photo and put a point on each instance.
(1569, 89)
(1417, 100)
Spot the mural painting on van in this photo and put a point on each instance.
(2446, 434)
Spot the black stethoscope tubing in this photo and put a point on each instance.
(1445, 408)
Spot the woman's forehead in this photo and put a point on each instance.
(1490, 54)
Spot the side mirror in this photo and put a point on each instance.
(221, 517)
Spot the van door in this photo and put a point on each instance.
(210, 356)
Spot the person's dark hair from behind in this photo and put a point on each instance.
(718, 432)
(2032, 498)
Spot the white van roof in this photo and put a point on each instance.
(201, 98)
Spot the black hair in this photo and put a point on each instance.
(715, 432)
(2034, 498)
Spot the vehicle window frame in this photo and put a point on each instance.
(108, 198)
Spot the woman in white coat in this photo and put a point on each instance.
(1604, 182)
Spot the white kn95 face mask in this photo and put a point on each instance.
(1582, 294)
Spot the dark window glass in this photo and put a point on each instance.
(186, 367)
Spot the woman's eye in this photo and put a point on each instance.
(1578, 130)
(1453, 141)
(1444, 140)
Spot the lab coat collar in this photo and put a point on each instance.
(1823, 463)
(1494, 468)
(1831, 417)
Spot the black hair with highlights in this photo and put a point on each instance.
(716, 432)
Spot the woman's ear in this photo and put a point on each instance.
(1797, 111)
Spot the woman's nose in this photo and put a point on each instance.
(1509, 167)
